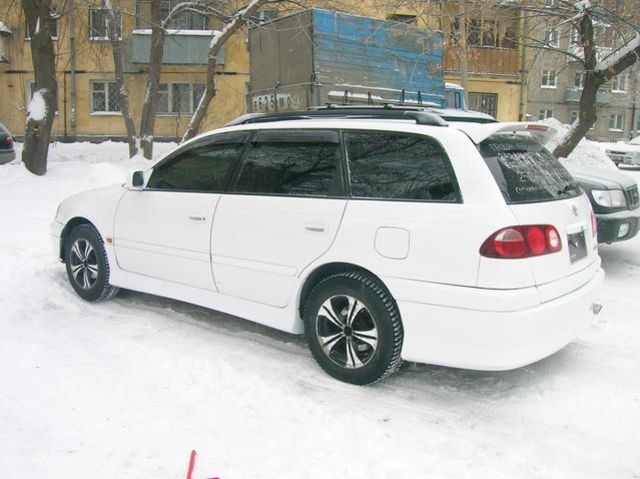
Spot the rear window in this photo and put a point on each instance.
(526, 171)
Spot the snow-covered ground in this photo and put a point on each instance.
(127, 388)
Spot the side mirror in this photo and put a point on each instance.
(135, 180)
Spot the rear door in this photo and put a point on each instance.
(283, 213)
(164, 230)
(540, 191)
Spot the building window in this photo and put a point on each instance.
(550, 3)
(619, 83)
(179, 97)
(98, 23)
(549, 79)
(575, 37)
(185, 20)
(484, 102)
(398, 17)
(264, 15)
(544, 114)
(104, 98)
(616, 122)
(53, 25)
(573, 117)
(485, 33)
(551, 38)
(578, 80)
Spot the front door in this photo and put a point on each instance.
(164, 230)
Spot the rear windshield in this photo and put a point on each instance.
(526, 171)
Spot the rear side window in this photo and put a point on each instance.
(292, 162)
(399, 166)
(526, 171)
(203, 168)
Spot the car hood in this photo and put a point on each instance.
(608, 178)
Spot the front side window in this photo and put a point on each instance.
(104, 98)
(525, 171)
(399, 166)
(202, 168)
(98, 23)
(298, 163)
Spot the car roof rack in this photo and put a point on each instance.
(421, 116)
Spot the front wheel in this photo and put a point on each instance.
(87, 265)
(353, 328)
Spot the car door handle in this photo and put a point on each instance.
(315, 227)
(196, 218)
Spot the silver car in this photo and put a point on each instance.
(7, 149)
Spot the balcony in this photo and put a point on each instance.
(484, 61)
(181, 47)
(573, 95)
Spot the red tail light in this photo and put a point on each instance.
(8, 141)
(522, 242)
(594, 225)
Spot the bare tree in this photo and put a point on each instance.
(45, 99)
(237, 21)
(578, 20)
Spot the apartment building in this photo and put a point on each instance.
(87, 100)
(555, 81)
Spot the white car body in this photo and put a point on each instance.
(251, 255)
(624, 153)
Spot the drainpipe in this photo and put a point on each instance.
(523, 72)
(72, 52)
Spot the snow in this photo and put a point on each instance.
(172, 31)
(37, 108)
(37, 30)
(127, 388)
(609, 61)
(587, 152)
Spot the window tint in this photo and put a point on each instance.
(526, 171)
(389, 165)
(302, 162)
(205, 167)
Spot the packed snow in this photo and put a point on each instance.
(37, 106)
(587, 152)
(128, 388)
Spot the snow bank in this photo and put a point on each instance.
(587, 153)
(37, 106)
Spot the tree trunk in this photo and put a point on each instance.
(38, 128)
(147, 120)
(118, 62)
(592, 82)
(238, 21)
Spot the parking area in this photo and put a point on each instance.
(127, 388)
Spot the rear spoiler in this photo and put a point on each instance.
(480, 132)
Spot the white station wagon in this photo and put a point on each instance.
(382, 234)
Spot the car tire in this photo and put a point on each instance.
(87, 264)
(353, 328)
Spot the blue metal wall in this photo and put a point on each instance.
(376, 53)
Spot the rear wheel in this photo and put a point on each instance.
(87, 265)
(353, 328)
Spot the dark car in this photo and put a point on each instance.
(614, 198)
(7, 150)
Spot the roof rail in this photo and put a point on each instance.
(389, 112)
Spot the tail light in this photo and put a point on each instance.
(594, 225)
(522, 242)
(8, 141)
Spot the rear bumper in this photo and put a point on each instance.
(609, 225)
(494, 340)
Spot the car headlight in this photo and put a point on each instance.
(609, 198)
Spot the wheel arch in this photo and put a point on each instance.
(328, 269)
(71, 224)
